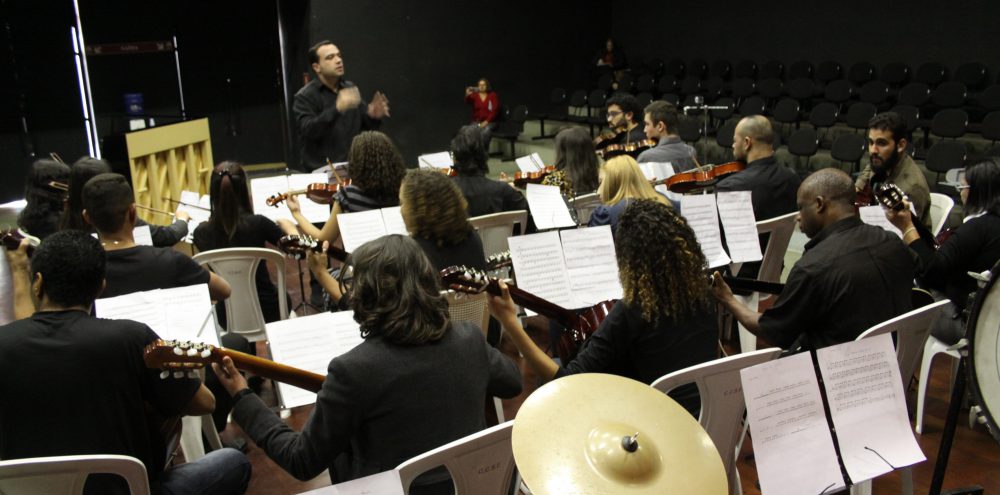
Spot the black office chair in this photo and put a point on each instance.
(861, 73)
(671, 98)
(786, 113)
(645, 84)
(753, 105)
(931, 74)
(991, 127)
(824, 116)
(721, 69)
(724, 138)
(801, 69)
(690, 85)
(644, 99)
(838, 92)
(915, 94)
(625, 83)
(596, 109)
(689, 129)
(828, 71)
(697, 68)
(742, 88)
(713, 88)
(666, 84)
(875, 92)
(721, 116)
(803, 143)
(909, 114)
(675, 67)
(950, 123)
(944, 156)
(950, 94)
(745, 69)
(655, 66)
(895, 74)
(849, 148)
(511, 128)
(859, 114)
(578, 100)
(772, 69)
(557, 110)
(802, 89)
(605, 81)
(973, 75)
(771, 89)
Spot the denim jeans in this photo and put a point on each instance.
(220, 472)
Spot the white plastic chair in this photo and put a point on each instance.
(584, 205)
(238, 266)
(66, 475)
(465, 458)
(912, 330)
(780, 230)
(474, 308)
(722, 404)
(495, 228)
(941, 205)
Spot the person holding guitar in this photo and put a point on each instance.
(483, 194)
(890, 163)
(661, 121)
(665, 320)
(851, 277)
(973, 247)
(417, 381)
(87, 388)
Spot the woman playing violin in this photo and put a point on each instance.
(376, 169)
(665, 320)
(973, 247)
(623, 183)
(577, 170)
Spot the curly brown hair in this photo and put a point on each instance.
(375, 166)
(396, 293)
(660, 263)
(434, 208)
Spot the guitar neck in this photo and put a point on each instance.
(266, 368)
(545, 308)
(749, 284)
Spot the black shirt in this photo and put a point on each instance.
(973, 247)
(626, 345)
(251, 231)
(851, 277)
(73, 384)
(324, 132)
(486, 196)
(143, 268)
(468, 253)
(773, 187)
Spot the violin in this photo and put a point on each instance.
(700, 177)
(522, 179)
(631, 149)
(606, 138)
(318, 193)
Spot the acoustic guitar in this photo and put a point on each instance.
(298, 246)
(578, 324)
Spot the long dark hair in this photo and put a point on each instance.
(984, 187)
(469, 151)
(40, 216)
(376, 167)
(230, 199)
(82, 170)
(576, 155)
(396, 293)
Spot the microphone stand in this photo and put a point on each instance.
(699, 104)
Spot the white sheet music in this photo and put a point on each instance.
(538, 262)
(441, 159)
(868, 407)
(393, 221)
(792, 444)
(736, 213)
(181, 313)
(309, 343)
(660, 171)
(548, 207)
(262, 188)
(384, 483)
(313, 211)
(530, 163)
(198, 215)
(360, 227)
(142, 235)
(702, 217)
(591, 265)
(875, 215)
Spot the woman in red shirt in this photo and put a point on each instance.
(485, 106)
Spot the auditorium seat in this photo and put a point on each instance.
(828, 71)
(745, 69)
(931, 74)
(876, 93)
(973, 75)
(690, 85)
(786, 113)
(666, 84)
(742, 88)
(849, 148)
(556, 110)
(772, 69)
(675, 67)
(803, 143)
(895, 74)
(771, 89)
(801, 69)
(753, 105)
(860, 73)
(645, 83)
(697, 68)
(824, 115)
(721, 69)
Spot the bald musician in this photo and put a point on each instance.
(772, 185)
(851, 277)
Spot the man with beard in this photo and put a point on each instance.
(623, 110)
(330, 111)
(891, 164)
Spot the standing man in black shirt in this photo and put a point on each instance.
(851, 277)
(329, 110)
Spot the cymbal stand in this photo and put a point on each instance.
(699, 105)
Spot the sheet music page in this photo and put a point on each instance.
(6, 289)
(538, 262)
(313, 211)
(142, 235)
(384, 483)
(441, 159)
(548, 207)
(181, 313)
(530, 163)
(875, 215)
(736, 213)
(792, 444)
(198, 215)
(868, 407)
(702, 217)
(393, 221)
(309, 343)
(360, 227)
(591, 265)
(137, 306)
(264, 187)
(659, 171)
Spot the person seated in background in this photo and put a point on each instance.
(577, 171)
(773, 186)
(660, 121)
(376, 169)
(665, 320)
(623, 119)
(851, 277)
(44, 200)
(434, 212)
(418, 381)
(484, 195)
(485, 107)
(890, 163)
(610, 58)
(972, 247)
(89, 390)
(82, 171)
(233, 224)
(623, 183)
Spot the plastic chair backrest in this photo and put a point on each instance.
(238, 266)
(495, 228)
(468, 307)
(911, 332)
(465, 459)
(722, 403)
(585, 204)
(941, 205)
(66, 475)
(781, 229)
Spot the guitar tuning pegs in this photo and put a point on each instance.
(206, 353)
(192, 374)
(192, 352)
(164, 374)
(178, 351)
(178, 374)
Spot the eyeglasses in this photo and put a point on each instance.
(613, 114)
(962, 187)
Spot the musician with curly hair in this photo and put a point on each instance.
(418, 381)
(665, 320)
(434, 211)
(376, 169)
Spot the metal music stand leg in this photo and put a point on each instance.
(303, 300)
(948, 436)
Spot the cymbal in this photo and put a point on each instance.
(574, 435)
